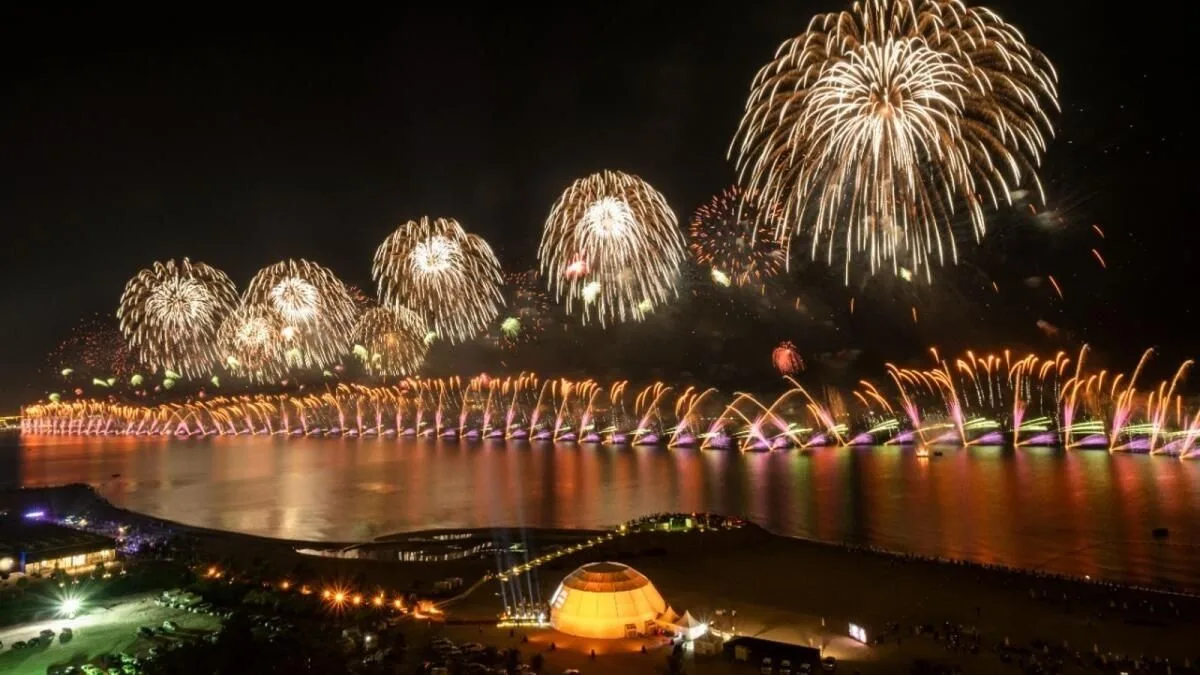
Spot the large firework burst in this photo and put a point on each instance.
(449, 277)
(876, 124)
(170, 312)
(612, 245)
(390, 342)
(252, 344)
(735, 238)
(314, 306)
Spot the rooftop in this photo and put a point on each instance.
(605, 577)
(34, 538)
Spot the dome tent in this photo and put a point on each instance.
(606, 600)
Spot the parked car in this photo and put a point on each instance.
(145, 631)
(170, 626)
(829, 664)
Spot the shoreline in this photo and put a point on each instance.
(513, 533)
(780, 588)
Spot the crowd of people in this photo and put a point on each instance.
(1094, 601)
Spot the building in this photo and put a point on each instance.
(41, 548)
(756, 651)
(606, 600)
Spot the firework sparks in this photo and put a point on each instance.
(449, 277)
(170, 313)
(612, 247)
(733, 237)
(787, 359)
(528, 310)
(95, 347)
(315, 308)
(251, 343)
(390, 342)
(876, 124)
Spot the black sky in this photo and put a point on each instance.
(126, 139)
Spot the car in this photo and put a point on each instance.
(19, 644)
(829, 664)
(170, 626)
(145, 631)
(46, 633)
(66, 635)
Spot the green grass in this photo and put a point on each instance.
(101, 630)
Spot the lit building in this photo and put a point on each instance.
(606, 600)
(41, 548)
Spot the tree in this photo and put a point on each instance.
(536, 662)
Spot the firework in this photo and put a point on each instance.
(528, 313)
(612, 242)
(984, 399)
(787, 359)
(390, 342)
(876, 124)
(449, 277)
(95, 347)
(251, 343)
(170, 312)
(735, 239)
(314, 306)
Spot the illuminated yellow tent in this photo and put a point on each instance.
(606, 600)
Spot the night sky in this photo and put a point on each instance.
(126, 139)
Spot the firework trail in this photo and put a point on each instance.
(450, 278)
(390, 342)
(612, 247)
(314, 306)
(876, 124)
(735, 239)
(170, 313)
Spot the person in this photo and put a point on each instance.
(593, 654)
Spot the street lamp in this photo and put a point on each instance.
(69, 607)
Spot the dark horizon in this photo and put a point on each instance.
(122, 146)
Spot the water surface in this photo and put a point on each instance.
(1077, 512)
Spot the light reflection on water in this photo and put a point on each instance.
(1076, 512)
